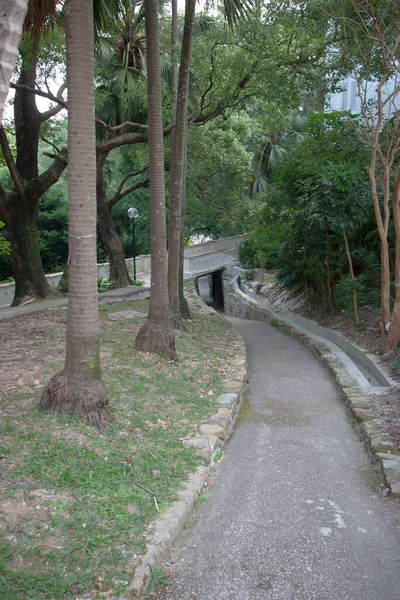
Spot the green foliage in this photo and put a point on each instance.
(158, 578)
(247, 254)
(4, 243)
(53, 227)
(219, 169)
(103, 285)
(319, 192)
(344, 293)
(260, 249)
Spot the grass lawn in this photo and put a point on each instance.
(76, 504)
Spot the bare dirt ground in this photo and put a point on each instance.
(367, 337)
(25, 350)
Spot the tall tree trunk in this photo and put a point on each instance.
(174, 53)
(328, 270)
(156, 335)
(12, 15)
(386, 316)
(27, 120)
(110, 239)
(21, 223)
(177, 168)
(78, 389)
(18, 210)
(183, 304)
(354, 293)
(392, 335)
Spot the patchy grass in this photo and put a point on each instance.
(76, 504)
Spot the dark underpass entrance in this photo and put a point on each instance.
(209, 288)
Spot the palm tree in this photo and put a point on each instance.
(156, 334)
(234, 10)
(176, 214)
(78, 389)
(12, 15)
(272, 150)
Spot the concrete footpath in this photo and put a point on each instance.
(131, 292)
(296, 511)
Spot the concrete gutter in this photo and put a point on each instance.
(365, 360)
(207, 443)
(371, 428)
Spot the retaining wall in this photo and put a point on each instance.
(143, 264)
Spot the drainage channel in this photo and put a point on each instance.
(362, 366)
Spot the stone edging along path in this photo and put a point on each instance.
(212, 436)
(370, 427)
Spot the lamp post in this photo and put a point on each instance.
(133, 213)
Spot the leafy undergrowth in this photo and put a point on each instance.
(76, 504)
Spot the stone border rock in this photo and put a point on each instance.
(371, 428)
(213, 434)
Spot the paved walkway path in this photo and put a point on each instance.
(296, 511)
(125, 293)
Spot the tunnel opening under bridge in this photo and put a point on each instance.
(210, 289)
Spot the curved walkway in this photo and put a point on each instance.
(296, 511)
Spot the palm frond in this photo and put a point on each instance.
(39, 15)
(260, 184)
(105, 11)
(237, 10)
(276, 154)
(125, 74)
(202, 23)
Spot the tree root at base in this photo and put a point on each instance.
(86, 399)
(156, 340)
(184, 308)
(177, 322)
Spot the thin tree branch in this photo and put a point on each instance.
(216, 206)
(52, 97)
(125, 179)
(202, 119)
(43, 182)
(5, 146)
(135, 186)
(55, 109)
(127, 138)
(121, 126)
(50, 144)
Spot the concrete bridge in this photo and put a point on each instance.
(199, 259)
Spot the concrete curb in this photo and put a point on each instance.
(126, 293)
(371, 429)
(213, 434)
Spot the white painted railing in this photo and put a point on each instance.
(203, 262)
(229, 243)
(198, 258)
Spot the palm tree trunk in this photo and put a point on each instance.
(12, 15)
(178, 170)
(183, 304)
(78, 389)
(156, 335)
(174, 52)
